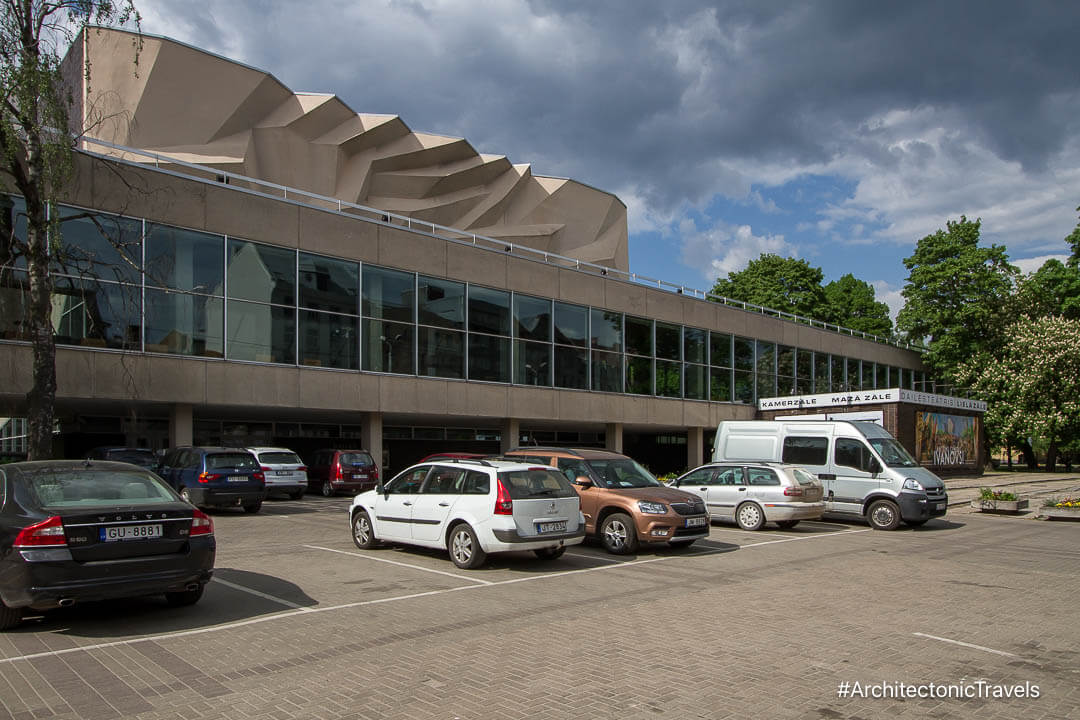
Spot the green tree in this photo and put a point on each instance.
(1073, 241)
(36, 156)
(957, 295)
(852, 303)
(1053, 289)
(780, 283)
(1031, 384)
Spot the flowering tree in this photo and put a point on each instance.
(1031, 383)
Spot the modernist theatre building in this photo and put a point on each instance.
(249, 265)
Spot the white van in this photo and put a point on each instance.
(863, 469)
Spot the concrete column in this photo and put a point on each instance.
(613, 437)
(371, 437)
(695, 447)
(511, 434)
(181, 425)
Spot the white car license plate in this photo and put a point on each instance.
(550, 527)
(238, 478)
(283, 472)
(130, 532)
(697, 522)
(940, 506)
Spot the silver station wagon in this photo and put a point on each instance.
(753, 494)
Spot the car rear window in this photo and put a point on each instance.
(804, 477)
(280, 458)
(356, 458)
(231, 461)
(146, 458)
(536, 483)
(86, 488)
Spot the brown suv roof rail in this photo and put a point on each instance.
(546, 448)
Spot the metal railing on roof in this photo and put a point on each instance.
(269, 189)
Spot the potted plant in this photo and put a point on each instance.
(1069, 507)
(991, 500)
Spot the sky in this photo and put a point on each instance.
(840, 132)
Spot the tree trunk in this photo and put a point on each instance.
(42, 396)
(1051, 456)
(1028, 454)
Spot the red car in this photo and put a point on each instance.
(333, 470)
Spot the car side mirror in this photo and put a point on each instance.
(584, 481)
(875, 466)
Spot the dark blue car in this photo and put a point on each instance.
(215, 477)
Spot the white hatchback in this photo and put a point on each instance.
(284, 470)
(472, 508)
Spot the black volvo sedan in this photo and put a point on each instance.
(82, 530)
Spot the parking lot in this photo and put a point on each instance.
(298, 623)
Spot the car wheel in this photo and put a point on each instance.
(787, 524)
(296, 494)
(184, 597)
(749, 516)
(618, 534)
(916, 523)
(363, 535)
(253, 508)
(464, 548)
(883, 515)
(550, 553)
(9, 617)
(327, 489)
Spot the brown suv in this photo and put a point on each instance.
(623, 504)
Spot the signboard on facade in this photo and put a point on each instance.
(943, 440)
(869, 397)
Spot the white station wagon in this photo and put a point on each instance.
(472, 508)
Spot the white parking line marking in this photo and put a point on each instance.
(394, 562)
(964, 644)
(804, 537)
(397, 598)
(587, 556)
(263, 595)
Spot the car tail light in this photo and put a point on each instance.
(337, 472)
(302, 468)
(47, 533)
(792, 491)
(209, 477)
(503, 504)
(258, 476)
(201, 524)
(374, 472)
(265, 469)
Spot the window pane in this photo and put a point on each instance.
(804, 364)
(806, 450)
(261, 272)
(720, 384)
(185, 259)
(694, 345)
(785, 360)
(766, 357)
(606, 330)
(328, 340)
(668, 378)
(532, 363)
(766, 385)
(696, 382)
(821, 373)
(327, 284)
(571, 324)
(97, 245)
(744, 354)
(442, 302)
(719, 349)
(14, 303)
(532, 318)
(836, 367)
(13, 225)
(639, 337)
(263, 333)
(607, 371)
(96, 314)
(744, 386)
(489, 358)
(489, 310)
(571, 368)
(668, 341)
(388, 294)
(387, 347)
(441, 353)
(852, 374)
(639, 374)
(184, 324)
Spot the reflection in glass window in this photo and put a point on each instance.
(744, 354)
(639, 337)
(13, 225)
(185, 259)
(785, 360)
(668, 378)
(442, 302)
(836, 369)
(184, 324)
(571, 324)
(489, 311)
(720, 385)
(720, 350)
(821, 373)
(606, 330)
(14, 304)
(387, 347)
(869, 381)
(532, 363)
(639, 374)
(744, 386)
(263, 333)
(697, 382)
(766, 385)
(388, 294)
(441, 353)
(668, 341)
(853, 378)
(96, 314)
(98, 245)
(328, 340)
(571, 368)
(263, 273)
(489, 358)
(329, 284)
(607, 371)
(694, 345)
(532, 318)
(766, 357)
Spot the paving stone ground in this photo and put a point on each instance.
(298, 623)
